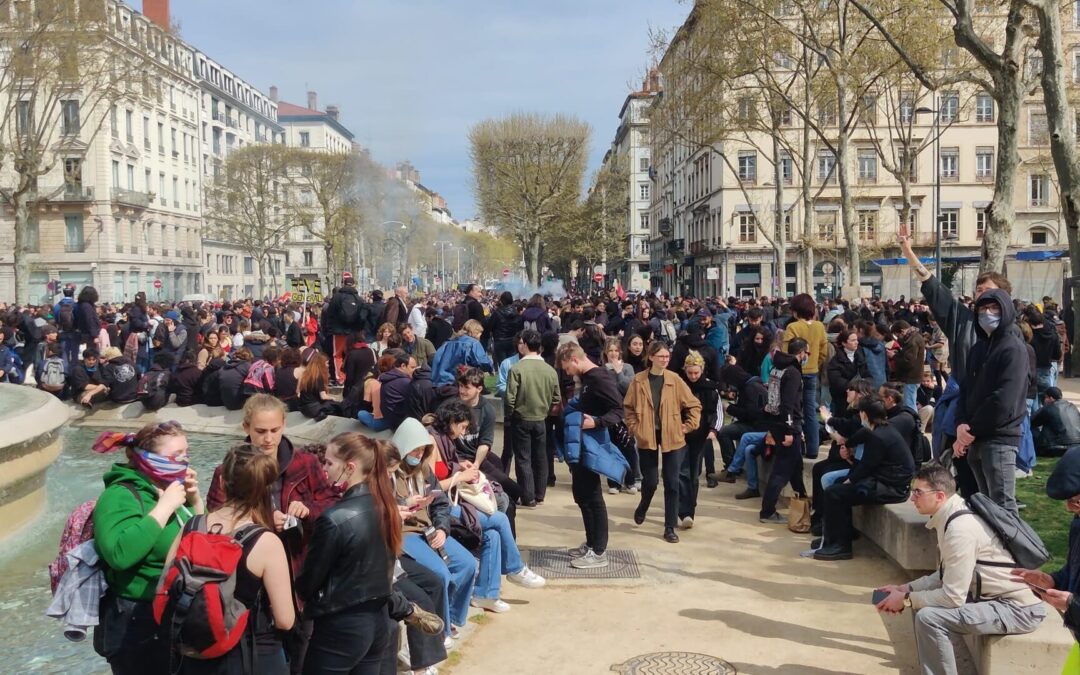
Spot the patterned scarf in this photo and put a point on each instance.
(163, 471)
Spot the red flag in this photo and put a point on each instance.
(619, 290)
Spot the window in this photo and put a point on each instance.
(24, 118)
(826, 166)
(33, 234)
(748, 166)
(643, 164)
(249, 265)
(643, 220)
(161, 188)
(73, 233)
(1038, 131)
(907, 108)
(868, 108)
(176, 192)
(746, 110)
(73, 173)
(1039, 189)
(787, 168)
(826, 225)
(114, 123)
(747, 229)
(950, 107)
(131, 176)
(827, 113)
(146, 183)
(1076, 63)
(146, 133)
(950, 163)
(867, 165)
(309, 258)
(950, 223)
(116, 173)
(643, 191)
(984, 108)
(129, 120)
(1040, 237)
(867, 226)
(305, 139)
(161, 138)
(981, 219)
(69, 122)
(984, 163)
(172, 133)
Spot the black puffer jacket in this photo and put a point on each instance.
(347, 561)
(842, 370)
(707, 392)
(505, 323)
(696, 342)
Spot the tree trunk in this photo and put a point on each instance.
(779, 236)
(1001, 211)
(21, 267)
(805, 174)
(531, 247)
(847, 206)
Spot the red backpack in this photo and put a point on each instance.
(196, 607)
(78, 530)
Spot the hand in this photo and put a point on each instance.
(191, 486)
(1034, 577)
(824, 412)
(172, 497)
(469, 475)
(903, 588)
(1059, 600)
(963, 434)
(904, 236)
(711, 436)
(404, 512)
(959, 449)
(298, 509)
(587, 422)
(893, 604)
(279, 521)
(730, 360)
(788, 440)
(439, 540)
(414, 502)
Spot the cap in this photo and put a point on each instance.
(111, 353)
(704, 312)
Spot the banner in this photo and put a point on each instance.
(306, 290)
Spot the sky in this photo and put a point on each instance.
(412, 76)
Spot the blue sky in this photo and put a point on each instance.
(412, 76)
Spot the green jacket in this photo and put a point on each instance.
(131, 544)
(532, 387)
(424, 351)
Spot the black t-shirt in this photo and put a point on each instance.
(600, 398)
(656, 383)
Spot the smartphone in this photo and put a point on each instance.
(435, 493)
(878, 596)
(1037, 587)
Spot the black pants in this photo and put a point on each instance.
(351, 642)
(502, 349)
(786, 468)
(508, 440)
(628, 447)
(728, 437)
(127, 637)
(650, 465)
(820, 469)
(841, 497)
(423, 587)
(585, 485)
(553, 431)
(690, 473)
(966, 484)
(530, 456)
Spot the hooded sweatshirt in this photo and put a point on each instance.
(393, 394)
(993, 390)
(696, 342)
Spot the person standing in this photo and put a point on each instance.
(784, 421)
(345, 314)
(699, 440)
(807, 328)
(660, 410)
(992, 402)
(69, 338)
(396, 310)
(601, 407)
(909, 361)
(505, 324)
(532, 390)
(346, 581)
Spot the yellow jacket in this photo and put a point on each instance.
(680, 412)
(814, 334)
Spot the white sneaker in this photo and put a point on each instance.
(527, 578)
(579, 551)
(448, 643)
(613, 490)
(491, 604)
(686, 523)
(430, 670)
(590, 561)
(631, 489)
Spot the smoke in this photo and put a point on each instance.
(554, 289)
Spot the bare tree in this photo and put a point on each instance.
(326, 203)
(62, 65)
(598, 233)
(528, 170)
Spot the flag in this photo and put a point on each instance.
(619, 290)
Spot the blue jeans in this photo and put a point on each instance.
(811, 426)
(499, 553)
(750, 446)
(69, 350)
(833, 477)
(369, 421)
(458, 574)
(911, 392)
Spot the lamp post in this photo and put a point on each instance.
(398, 239)
(936, 112)
(441, 245)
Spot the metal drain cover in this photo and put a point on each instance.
(674, 663)
(554, 563)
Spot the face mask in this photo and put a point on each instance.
(412, 460)
(340, 484)
(989, 322)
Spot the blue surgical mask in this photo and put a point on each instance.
(989, 322)
(412, 460)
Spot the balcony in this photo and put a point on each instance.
(65, 193)
(75, 247)
(218, 117)
(139, 200)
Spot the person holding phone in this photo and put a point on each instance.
(943, 602)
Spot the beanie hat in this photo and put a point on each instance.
(172, 314)
(410, 435)
(1064, 482)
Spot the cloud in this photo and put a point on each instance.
(412, 76)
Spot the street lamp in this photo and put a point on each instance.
(441, 245)
(398, 239)
(937, 180)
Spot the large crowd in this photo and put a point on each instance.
(936, 400)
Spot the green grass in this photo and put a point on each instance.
(489, 383)
(1047, 516)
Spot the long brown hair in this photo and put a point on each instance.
(247, 476)
(355, 447)
(316, 374)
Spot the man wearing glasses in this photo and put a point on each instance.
(966, 596)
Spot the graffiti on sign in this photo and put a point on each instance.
(306, 290)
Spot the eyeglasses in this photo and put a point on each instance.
(916, 493)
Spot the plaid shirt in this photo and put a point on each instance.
(78, 596)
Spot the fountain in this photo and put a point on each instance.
(32, 421)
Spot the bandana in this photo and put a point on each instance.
(161, 470)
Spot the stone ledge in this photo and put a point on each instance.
(1042, 651)
(900, 531)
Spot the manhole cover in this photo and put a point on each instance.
(674, 663)
(554, 563)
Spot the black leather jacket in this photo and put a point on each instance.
(347, 561)
(1058, 426)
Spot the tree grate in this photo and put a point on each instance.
(674, 663)
(554, 563)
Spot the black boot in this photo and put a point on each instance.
(670, 536)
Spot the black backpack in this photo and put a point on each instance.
(1022, 542)
(350, 310)
(153, 389)
(65, 318)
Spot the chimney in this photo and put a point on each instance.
(158, 12)
(273, 93)
(332, 111)
(312, 100)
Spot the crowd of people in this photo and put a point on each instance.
(637, 390)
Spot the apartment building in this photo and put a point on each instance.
(121, 208)
(711, 201)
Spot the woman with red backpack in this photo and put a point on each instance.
(263, 583)
(146, 502)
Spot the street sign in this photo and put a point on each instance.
(598, 277)
(506, 272)
(712, 273)
(157, 284)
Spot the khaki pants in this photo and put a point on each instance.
(940, 632)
